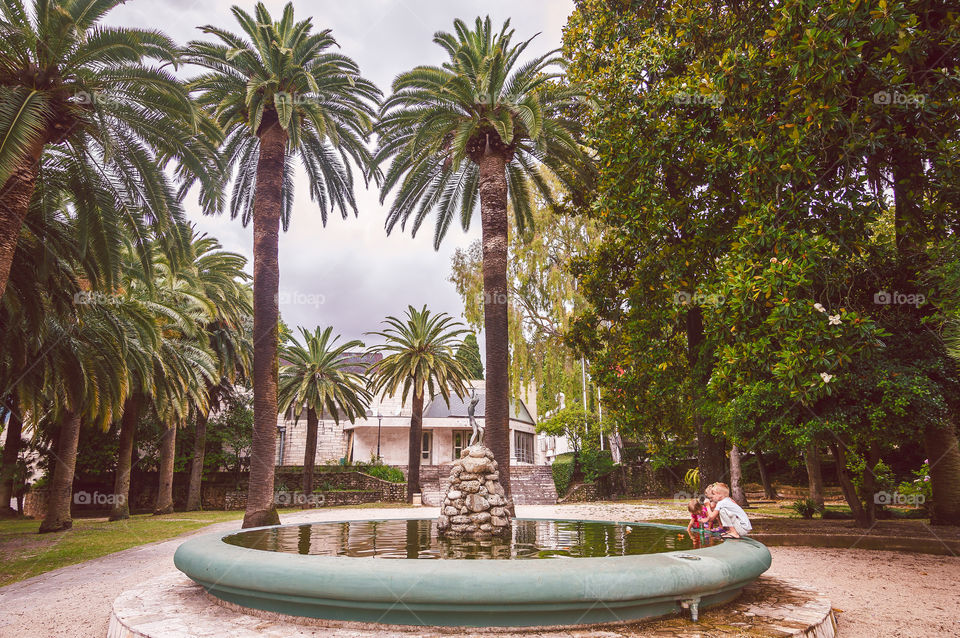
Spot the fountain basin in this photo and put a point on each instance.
(466, 592)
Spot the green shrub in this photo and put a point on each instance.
(806, 507)
(596, 464)
(385, 472)
(562, 471)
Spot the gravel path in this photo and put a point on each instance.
(880, 593)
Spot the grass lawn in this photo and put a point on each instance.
(25, 553)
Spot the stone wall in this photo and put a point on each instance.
(581, 492)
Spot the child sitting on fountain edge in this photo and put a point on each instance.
(732, 517)
(698, 520)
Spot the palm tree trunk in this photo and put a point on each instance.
(811, 458)
(15, 195)
(493, 213)
(267, 205)
(11, 451)
(121, 483)
(196, 465)
(416, 442)
(168, 448)
(768, 489)
(736, 477)
(61, 487)
(309, 455)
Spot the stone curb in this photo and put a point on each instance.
(172, 606)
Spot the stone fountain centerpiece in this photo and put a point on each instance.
(475, 504)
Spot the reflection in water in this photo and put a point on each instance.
(418, 539)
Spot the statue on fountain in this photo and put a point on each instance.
(477, 436)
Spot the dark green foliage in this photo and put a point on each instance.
(385, 472)
(596, 464)
(469, 355)
(562, 472)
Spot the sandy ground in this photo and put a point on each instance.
(880, 593)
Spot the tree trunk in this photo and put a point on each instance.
(11, 453)
(736, 477)
(860, 515)
(61, 487)
(168, 448)
(711, 456)
(416, 442)
(267, 204)
(15, 195)
(768, 489)
(121, 483)
(309, 456)
(493, 213)
(811, 458)
(944, 456)
(196, 465)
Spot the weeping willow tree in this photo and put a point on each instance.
(542, 299)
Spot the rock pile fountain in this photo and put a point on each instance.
(475, 504)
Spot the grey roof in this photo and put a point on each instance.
(437, 408)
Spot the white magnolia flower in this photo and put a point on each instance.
(826, 377)
(819, 307)
(834, 320)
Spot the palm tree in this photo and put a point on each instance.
(99, 100)
(80, 365)
(223, 280)
(421, 357)
(276, 93)
(318, 375)
(481, 124)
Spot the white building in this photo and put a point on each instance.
(384, 431)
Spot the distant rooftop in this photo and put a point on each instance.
(437, 408)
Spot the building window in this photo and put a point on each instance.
(426, 447)
(523, 446)
(461, 439)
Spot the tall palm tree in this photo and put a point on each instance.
(100, 100)
(278, 92)
(319, 375)
(481, 124)
(420, 358)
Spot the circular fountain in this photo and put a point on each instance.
(401, 572)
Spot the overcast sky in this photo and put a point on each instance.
(350, 274)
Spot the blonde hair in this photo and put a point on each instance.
(693, 505)
(721, 489)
